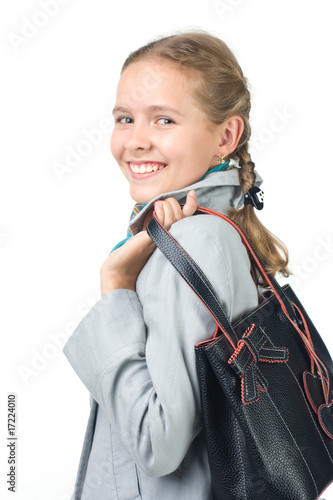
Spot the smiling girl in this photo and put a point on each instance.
(180, 138)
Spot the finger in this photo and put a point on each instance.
(191, 204)
(159, 210)
(174, 209)
(169, 215)
(171, 212)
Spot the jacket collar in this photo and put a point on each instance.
(218, 191)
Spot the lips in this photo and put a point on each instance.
(146, 167)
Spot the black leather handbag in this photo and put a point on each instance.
(266, 389)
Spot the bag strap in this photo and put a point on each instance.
(276, 288)
(200, 284)
(192, 274)
(180, 259)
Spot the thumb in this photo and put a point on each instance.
(191, 204)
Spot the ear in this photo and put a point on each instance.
(231, 132)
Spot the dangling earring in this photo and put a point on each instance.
(221, 158)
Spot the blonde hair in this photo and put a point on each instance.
(222, 91)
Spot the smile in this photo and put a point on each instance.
(146, 167)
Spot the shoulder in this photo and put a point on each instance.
(204, 230)
(216, 247)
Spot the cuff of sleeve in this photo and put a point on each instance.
(113, 328)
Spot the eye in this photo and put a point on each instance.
(165, 121)
(124, 119)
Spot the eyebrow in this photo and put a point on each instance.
(154, 108)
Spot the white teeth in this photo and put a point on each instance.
(146, 167)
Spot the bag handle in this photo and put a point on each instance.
(285, 303)
(199, 283)
(192, 274)
(167, 244)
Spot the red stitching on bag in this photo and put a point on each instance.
(237, 351)
(242, 392)
(242, 377)
(266, 360)
(261, 389)
(249, 331)
(240, 344)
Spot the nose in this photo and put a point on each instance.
(138, 137)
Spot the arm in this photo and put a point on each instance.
(139, 363)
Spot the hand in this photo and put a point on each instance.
(122, 267)
(169, 211)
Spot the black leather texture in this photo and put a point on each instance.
(267, 424)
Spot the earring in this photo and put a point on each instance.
(221, 158)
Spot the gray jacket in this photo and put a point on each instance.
(134, 351)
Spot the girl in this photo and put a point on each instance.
(181, 136)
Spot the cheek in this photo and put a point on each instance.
(204, 147)
(193, 141)
(176, 147)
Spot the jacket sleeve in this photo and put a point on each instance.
(134, 351)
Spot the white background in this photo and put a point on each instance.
(59, 80)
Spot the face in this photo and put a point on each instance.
(161, 140)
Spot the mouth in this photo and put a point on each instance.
(145, 167)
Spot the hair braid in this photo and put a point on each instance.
(247, 176)
(273, 252)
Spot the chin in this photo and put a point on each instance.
(140, 199)
(140, 196)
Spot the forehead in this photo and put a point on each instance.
(146, 80)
